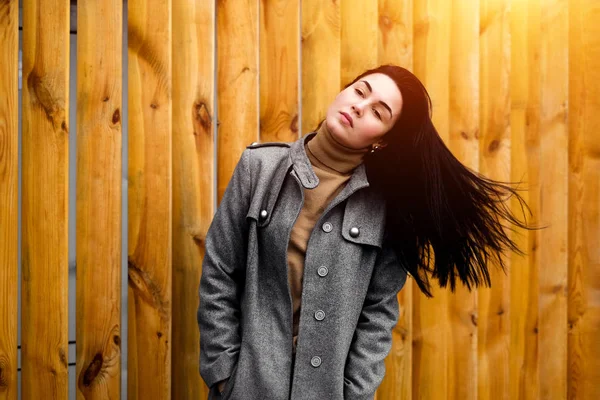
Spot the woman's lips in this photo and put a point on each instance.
(347, 118)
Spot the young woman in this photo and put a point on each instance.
(313, 240)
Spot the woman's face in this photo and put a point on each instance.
(365, 111)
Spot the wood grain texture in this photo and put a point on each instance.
(431, 56)
(98, 236)
(237, 84)
(321, 41)
(584, 201)
(525, 168)
(431, 319)
(494, 303)
(193, 181)
(359, 38)
(554, 191)
(395, 33)
(395, 47)
(45, 174)
(463, 141)
(279, 70)
(149, 194)
(9, 181)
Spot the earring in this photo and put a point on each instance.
(375, 148)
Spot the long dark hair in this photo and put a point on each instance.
(443, 219)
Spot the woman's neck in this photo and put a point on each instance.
(324, 150)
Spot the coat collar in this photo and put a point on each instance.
(303, 168)
(358, 206)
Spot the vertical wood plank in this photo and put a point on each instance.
(99, 142)
(279, 64)
(237, 83)
(494, 302)
(359, 42)
(45, 146)
(149, 193)
(463, 141)
(431, 56)
(395, 33)
(9, 175)
(395, 46)
(431, 321)
(554, 192)
(193, 181)
(321, 41)
(584, 201)
(525, 167)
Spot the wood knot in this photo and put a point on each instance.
(117, 340)
(49, 97)
(116, 117)
(201, 116)
(199, 238)
(294, 124)
(385, 22)
(494, 144)
(153, 106)
(3, 377)
(92, 370)
(63, 358)
(474, 319)
(159, 334)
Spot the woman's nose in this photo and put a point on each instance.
(358, 108)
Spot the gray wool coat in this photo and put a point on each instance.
(351, 279)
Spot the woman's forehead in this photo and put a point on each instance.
(383, 87)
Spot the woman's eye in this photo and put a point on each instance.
(377, 113)
(360, 93)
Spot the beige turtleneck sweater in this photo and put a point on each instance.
(333, 164)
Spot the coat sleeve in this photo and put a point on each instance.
(221, 283)
(372, 339)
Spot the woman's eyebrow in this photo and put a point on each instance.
(380, 102)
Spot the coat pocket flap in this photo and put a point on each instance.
(364, 219)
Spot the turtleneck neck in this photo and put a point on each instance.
(324, 151)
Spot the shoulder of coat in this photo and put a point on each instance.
(257, 145)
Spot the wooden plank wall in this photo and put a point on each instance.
(98, 256)
(463, 140)
(431, 319)
(278, 72)
(9, 175)
(150, 201)
(493, 327)
(583, 311)
(237, 84)
(515, 97)
(44, 202)
(193, 181)
(525, 166)
(395, 46)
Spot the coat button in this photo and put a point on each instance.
(263, 214)
(354, 232)
(315, 361)
(327, 227)
(320, 315)
(322, 271)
